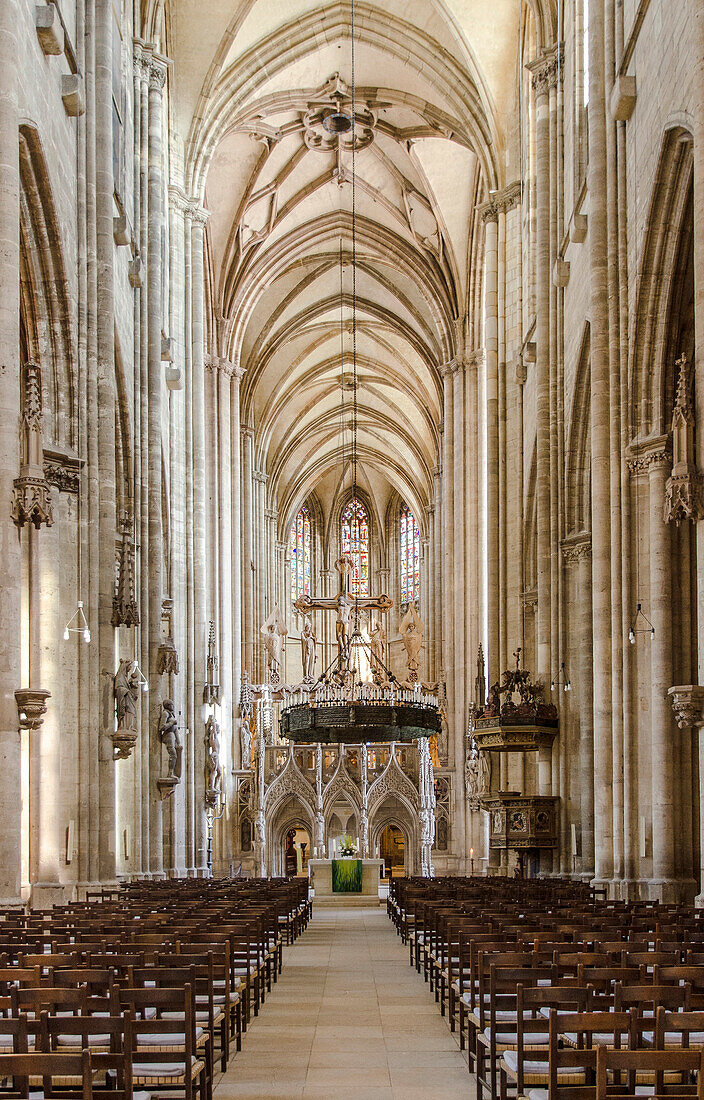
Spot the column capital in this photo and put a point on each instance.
(547, 69)
(576, 547)
(178, 198)
(158, 70)
(475, 358)
(644, 454)
(197, 213)
(688, 705)
(509, 198)
(450, 367)
(489, 211)
(246, 432)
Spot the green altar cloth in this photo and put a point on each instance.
(347, 876)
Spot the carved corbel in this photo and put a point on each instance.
(31, 707)
(688, 705)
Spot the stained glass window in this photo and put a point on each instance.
(409, 556)
(299, 547)
(355, 542)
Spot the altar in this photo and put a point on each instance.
(333, 877)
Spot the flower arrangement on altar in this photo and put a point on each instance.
(348, 850)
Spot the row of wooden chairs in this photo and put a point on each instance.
(151, 984)
(538, 976)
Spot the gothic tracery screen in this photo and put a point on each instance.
(354, 531)
(299, 546)
(409, 556)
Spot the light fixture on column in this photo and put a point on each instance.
(143, 682)
(563, 681)
(641, 625)
(78, 624)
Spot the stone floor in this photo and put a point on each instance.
(349, 1019)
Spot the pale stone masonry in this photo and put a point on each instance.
(176, 260)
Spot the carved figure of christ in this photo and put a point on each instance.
(343, 603)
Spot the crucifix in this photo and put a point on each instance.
(343, 603)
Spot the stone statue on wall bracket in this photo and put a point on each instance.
(411, 630)
(377, 635)
(213, 767)
(127, 687)
(274, 631)
(245, 744)
(477, 776)
(309, 653)
(170, 739)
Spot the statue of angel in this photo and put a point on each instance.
(274, 631)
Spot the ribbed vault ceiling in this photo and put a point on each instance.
(432, 82)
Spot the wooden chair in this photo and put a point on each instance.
(51, 1070)
(611, 1064)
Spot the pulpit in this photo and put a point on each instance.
(345, 878)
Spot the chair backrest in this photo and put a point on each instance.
(656, 1062)
(22, 1067)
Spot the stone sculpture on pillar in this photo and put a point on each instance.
(274, 631)
(246, 708)
(411, 630)
(309, 654)
(124, 603)
(684, 492)
(213, 767)
(211, 690)
(167, 657)
(378, 648)
(245, 744)
(169, 737)
(126, 687)
(477, 776)
(31, 498)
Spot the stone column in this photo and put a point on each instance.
(46, 889)
(247, 437)
(236, 537)
(426, 612)
(228, 698)
(697, 23)
(600, 450)
(105, 417)
(490, 217)
(688, 706)
(10, 572)
(436, 579)
(577, 554)
(448, 539)
(544, 72)
(153, 457)
(199, 625)
(662, 775)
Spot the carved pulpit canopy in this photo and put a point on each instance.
(515, 716)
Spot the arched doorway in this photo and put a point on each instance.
(392, 849)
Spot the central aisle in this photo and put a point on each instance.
(348, 1018)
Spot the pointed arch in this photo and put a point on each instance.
(578, 457)
(650, 369)
(46, 322)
